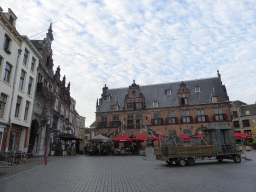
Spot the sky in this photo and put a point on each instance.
(114, 42)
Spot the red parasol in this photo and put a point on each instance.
(241, 135)
(122, 139)
(141, 138)
(184, 137)
(157, 138)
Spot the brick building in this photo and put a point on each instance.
(244, 117)
(181, 106)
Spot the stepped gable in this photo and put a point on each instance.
(153, 91)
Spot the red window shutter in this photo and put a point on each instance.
(180, 101)
(105, 97)
(181, 120)
(152, 121)
(166, 120)
(225, 117)
(196, 119)
(213, 117)
(176, 119)
(206, 118)
(162, 121)
(112, 107)
(191, 119)
(119, 123)
(134, 105)
(110, 123)
(99, 124)
(53, 99)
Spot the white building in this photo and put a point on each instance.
(19, 60)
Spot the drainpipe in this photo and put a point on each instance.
(13, 89)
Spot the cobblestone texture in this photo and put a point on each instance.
(132, 173)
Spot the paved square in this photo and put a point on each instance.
(132, 173)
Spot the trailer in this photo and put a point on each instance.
(216, 142)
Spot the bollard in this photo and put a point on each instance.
(46, 159)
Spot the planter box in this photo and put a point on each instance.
(142, 153)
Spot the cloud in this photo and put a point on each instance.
(114, 42)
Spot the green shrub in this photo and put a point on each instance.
(253, 142)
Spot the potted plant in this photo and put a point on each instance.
(142, 151)
(58, 151)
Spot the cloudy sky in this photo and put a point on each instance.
(113, 42)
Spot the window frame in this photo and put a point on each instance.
(22, 79)
(18, 107)
(26, 110)
(33, 63)
(3, 102)
(25, 56)
(7, 43)
(30, 83)
(7, 73)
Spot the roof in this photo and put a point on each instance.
(238, 103)
(250, 108)
(153, 92)
(93, 125)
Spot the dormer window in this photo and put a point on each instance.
(168, 92)
(214, 99)
(197, 89)
(114, 107)
(155, 104)
(133, 93)
(184, 101)
(107, 97)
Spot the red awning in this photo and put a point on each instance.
(141, 138)
(184, 137)
(241, 135)
(122, 139)
(199, 135)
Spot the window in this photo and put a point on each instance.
(130, 105)
(48, 60)
(197, 89)
(184, 101)
(185, 117)
(168, 92)
(214, 99)
(247, 112)
(17, 110)
(171, 117)
(103, 122)
(246, 123)
(25, 58)
(56, 104)
(157, 119)
(7, 73)
(130, 123)
(114, 107)
(236, 124)
(138, 105)
(187, 132)
(201, 115)
(235, 115)
(219, 116)
(45, 83)
(7, 44)
(26, 111)
(155, 104)
(57, 89)
(33, 64)
(39, 78)
(107, 98)
(50, 87)
(2, 104)
(116, 122)
(30, 85)
(62, 110)
(66, 113)
(22, 77)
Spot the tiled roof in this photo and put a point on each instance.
(157, 91)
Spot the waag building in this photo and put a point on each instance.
(181, 107)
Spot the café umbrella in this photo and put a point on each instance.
(184, 137)
(122, 139)
(141, 138)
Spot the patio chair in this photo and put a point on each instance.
(5, 165)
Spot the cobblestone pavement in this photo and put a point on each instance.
(132, 173)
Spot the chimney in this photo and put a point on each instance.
(104, 88)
